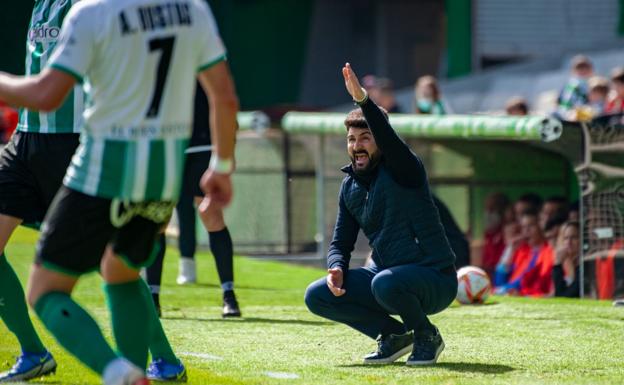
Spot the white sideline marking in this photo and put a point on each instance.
(204, 356)
(282, 375)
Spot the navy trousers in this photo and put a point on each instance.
(373, 294)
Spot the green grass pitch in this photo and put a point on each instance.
(507, 341)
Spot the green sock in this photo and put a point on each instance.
(75, 330)
(13, 309)
(159, 344)
(131, 323)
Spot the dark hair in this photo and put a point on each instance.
(517, 103)
(532, 199)
(557, 220)
(530, 212)
(355, 118)
(573, 224)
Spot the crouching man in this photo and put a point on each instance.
(387, 195)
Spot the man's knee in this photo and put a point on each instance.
(315, 296)
(384, 286)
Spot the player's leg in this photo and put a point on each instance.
(358, 309)
(154, 272)
(187, 243)
(71, 245)
(18, 201)
(413, 292)
(134, 246)
(222, 249)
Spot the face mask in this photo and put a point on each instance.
(424, 105)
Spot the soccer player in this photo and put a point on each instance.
(138, 58)
(197, 157)
(32, 166)
(386, 194)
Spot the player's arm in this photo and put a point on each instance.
(218, 84)
(45, 91)
(405, 167)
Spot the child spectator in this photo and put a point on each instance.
(496, 205)
(598, 93)
(554, 206)
(526, 269)
(575, 92)
(427, 96)
(615, 105)
(566, 269)
(517, 106)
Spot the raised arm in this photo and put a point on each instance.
(404, 166)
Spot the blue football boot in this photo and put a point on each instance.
(29, 366)
(161, 370)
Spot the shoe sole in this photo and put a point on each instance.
(231, 315)
(430, 362)
(391, 359)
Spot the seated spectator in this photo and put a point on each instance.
(381, 91)
(565, 272)
(496, 207)
(552, 228)
(527, 202)
(575, 92)
(609, 272)
(555, 206)
(526, 269)
(597, 97)
(615, 104)
(427, 97)
(517, 106)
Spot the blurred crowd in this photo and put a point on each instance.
(585, 96)
(532, 248)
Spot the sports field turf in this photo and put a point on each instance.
(507, 341)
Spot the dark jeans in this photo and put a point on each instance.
(373, 294)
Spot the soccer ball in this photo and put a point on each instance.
(473, 285)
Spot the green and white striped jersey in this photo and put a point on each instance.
(43, 32)
(139, 60)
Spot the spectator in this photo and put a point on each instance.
(496, 206)
(575, 92)
(598, 93)
(555, 206)
(526, 269)
(552, 228)
(381, 91)
(615, 105)
(565, 272)
(527, 202)
(427, 97)
(517, 106)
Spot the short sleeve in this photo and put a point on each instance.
(212, 50)
(74, 50)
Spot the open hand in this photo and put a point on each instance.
(335, 279)
(353, 84)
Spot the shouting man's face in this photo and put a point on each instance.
(362, 150)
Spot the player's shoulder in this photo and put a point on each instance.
(86, 8)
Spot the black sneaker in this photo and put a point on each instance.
(390, 348)
(230, 305)
(427, 348)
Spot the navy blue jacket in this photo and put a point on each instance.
(394, 207)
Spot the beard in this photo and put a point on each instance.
(373, 160)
